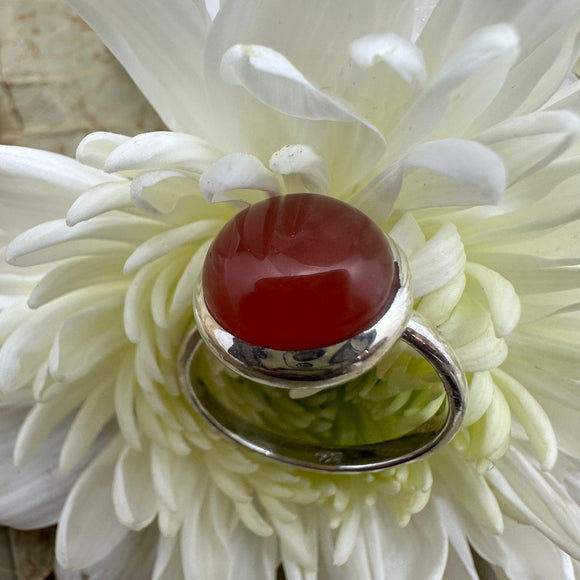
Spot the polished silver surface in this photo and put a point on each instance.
(348, 459)
(318, 367)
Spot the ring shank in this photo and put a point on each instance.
(348, 459)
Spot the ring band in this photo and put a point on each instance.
(274, 268)
(347, 459)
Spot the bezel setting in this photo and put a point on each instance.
(319, 367)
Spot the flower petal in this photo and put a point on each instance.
(88, 529)
(501, 298)
(164, 61)
(438, 262)
(163, 150)
(302, 161)
(269, 78)
(133, 495)
(538, 499)
(531, 142)
(237, 171)
(132, 558)
(401, 55)
(469, 488)
(475, 175)
(522, 552)
(90, 420)
(532, 417)
(97, 200)
(32, 495)
(37, 186)
(490, 48)
(156, 247)
(94, 149)
(75, 274)
(51, 241)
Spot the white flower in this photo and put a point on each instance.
(456, 142)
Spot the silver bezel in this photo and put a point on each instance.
(313, 368)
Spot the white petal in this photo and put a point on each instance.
(159, 192)
(502, 300)
(473, 175)
(448, 172)
(26, 349)
(469, 488)
(98, 200)
(133, 558)
(489, 437)
(94, 149)
(37, 186)
(531, 142)
(165, 61)
(523, 552)
(401, 55)
(158, 246)
(538, 498)
(98, 329)
(42, 419)
(492, 48)
(252, 557)
(51, 241)
(125, 388)
(438, 306)
(481, 390)
(182, 298)
(203, 534)
(304, 162)
(88, 529)
(237, 171)
(76, 274)
(438, 262)
(31, 496)
(269, 78)
(385, 550)
(547, 53)
(168, 560)
(532, 417)
(163, 150)
(133, 495)
(89, 421)
(460, 558)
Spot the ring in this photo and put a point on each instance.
(305, 292)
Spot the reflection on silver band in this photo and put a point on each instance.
(348, 459)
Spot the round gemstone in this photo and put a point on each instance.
(298, 272)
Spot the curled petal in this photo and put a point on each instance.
(95, 148)
(402, 56)
(502, 300)
(89, 507)
(304, 162)
(532, 417)
(237, 171)
(133, 494)
(163, 150)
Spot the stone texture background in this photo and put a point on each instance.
(58, 82)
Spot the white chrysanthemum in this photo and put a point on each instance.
(456, 142)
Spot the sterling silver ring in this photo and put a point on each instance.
(317, 365)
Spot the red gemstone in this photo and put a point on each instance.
(298, 272)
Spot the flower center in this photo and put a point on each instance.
(298, 272)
